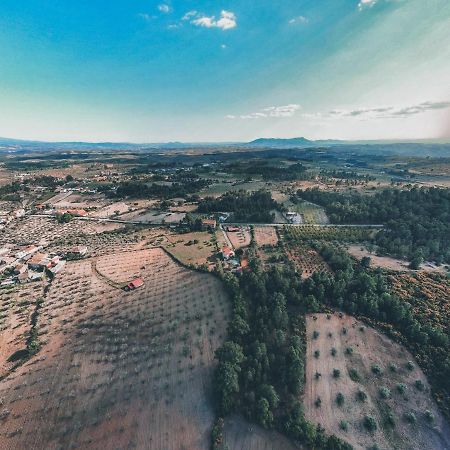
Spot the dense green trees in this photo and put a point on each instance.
(417, 220)
(246, 207)
(142, 189)
(261, 365)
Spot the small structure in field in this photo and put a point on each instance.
(39, 261)
(209, 224)
(136, 283)
(77, 252)
(227, 253)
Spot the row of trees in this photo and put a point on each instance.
(269, 171)
(141, 189)
(246, 207)
(417, 221)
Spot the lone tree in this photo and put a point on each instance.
(369, 423)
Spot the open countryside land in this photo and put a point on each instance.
(180, 301)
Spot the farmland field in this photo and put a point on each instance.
(116, 369)
(240, 238)
(195, 248)
(366, 389)
(265, 236)
(307, 260)
(329, 233)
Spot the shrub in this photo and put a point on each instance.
(317, 375)
(401, 388)
(384, 392)
(390, 420)
(316, 353)
(354, 375)
(369, 423)
(429, 416)
(315, 334)
(318, 402)
(340, 399)
(333, 351)
(343, 425)
(361, 395)
(393, 367)
(410, 417)
(349, 351)
(410, 365)
(344, 330)
(419, 385)
(376, 369)
(336, 373)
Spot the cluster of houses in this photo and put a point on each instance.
(31, 263)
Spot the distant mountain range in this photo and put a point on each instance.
(434, 148)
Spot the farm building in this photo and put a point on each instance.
(136, 283)
(209, 224)
(227, 252)
(79, 251)
(39, 261)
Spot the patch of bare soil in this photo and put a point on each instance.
(369, 362)
(386, 262)
(240, 238)
(265, 236)
(242, 435)
(116, 369)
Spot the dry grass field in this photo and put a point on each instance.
(387, 262)
(241, 238)
(196, 248)
(119, 370)
(17, 304)
(265, 236)
(375, 381)
(242, 435)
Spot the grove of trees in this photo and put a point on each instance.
(417, 221)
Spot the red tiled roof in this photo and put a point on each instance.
(138, 282)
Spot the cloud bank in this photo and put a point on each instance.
(391, 112)
(270, 111)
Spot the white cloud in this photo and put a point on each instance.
(145, 16)
(164, 8)
(226, 21)
(366, 4)
(298, 20)
(270, 111)
(189, 15)
(388, 112)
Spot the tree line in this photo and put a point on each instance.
(417, 221)
(246, 207)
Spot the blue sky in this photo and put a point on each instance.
(224, 70)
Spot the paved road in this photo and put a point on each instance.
(238, 224)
